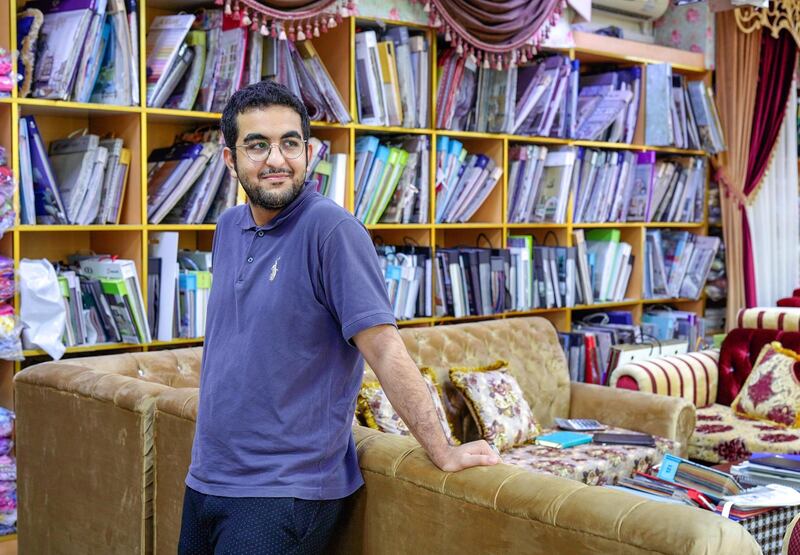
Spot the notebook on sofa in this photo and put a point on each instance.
(610, 438)
(560, 440)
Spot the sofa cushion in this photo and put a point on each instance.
(529, 344)
(772, 390)
(496, 401)
(738, 354)
(722, 436)
(378, 413)
(590, 463)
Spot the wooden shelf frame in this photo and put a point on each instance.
(145, 128)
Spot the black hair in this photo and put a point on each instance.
(260, 95)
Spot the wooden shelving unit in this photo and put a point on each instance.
(144, 128)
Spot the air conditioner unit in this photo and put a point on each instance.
(634, 17)
(636, 9)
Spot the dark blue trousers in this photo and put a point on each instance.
(213, 525)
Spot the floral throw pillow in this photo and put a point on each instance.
(772, 390)
(497, 404)
(379, 414)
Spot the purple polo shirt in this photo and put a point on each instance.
(280, 375)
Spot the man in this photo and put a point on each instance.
(297, 298)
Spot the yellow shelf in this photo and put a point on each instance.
(329, 125)
(488, 225)
(389, 129)
(87, 348)
(470, 134)
(51, 228)
(534, 312)
(181, 227)
(674, 224)
(167, 115)
(666, 300)
(416, 321)
(400, 227)
(8, 538)
(56, 107)
(516, 226)
(628, 302)
(606, 225)
(177, 341)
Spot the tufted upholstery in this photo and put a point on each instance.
(739, 352)
(409, 506)
(104, 420)
(92, 419)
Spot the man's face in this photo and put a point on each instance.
(276, 181)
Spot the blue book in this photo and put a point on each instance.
(561, 440)
(47, 198)
(374, 177)
(366, 148)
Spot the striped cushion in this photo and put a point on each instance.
(777, 318)
(692, 376)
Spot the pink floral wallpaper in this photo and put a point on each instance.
(689, 27)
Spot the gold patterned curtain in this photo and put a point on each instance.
(738, 56)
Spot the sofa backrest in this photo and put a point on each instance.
(739, 352)
(529, 344)
(769, 318)
(173, 367)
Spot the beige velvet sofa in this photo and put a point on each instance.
(137, 411)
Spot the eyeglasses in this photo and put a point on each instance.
(290, 148)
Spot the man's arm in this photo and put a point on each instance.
(400, 378)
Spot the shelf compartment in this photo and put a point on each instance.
(591, 48)
(59, 123)
(57, 245)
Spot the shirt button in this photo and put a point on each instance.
(260, 233)
(250, 259)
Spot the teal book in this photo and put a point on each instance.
(562, 440)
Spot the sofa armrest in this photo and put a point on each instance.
(180, 402)
(659, 415)
(409, 505)
(123, 391)
(693, 376)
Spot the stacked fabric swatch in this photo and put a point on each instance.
(8, 475)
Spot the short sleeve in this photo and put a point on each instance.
(352, 282)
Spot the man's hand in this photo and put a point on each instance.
(475, 453)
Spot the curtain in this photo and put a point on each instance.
(775, 73)
(502, 23)
(737, 63)
(774, 218)
(498, 33)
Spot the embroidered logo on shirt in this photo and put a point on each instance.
(274, 271)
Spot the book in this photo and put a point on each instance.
(607, 438)
(65, 23)
(49, 206)
(165, 40)
(117, 77)
(562, 440)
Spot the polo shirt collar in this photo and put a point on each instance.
(246, 221)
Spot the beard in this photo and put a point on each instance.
(268, 199)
